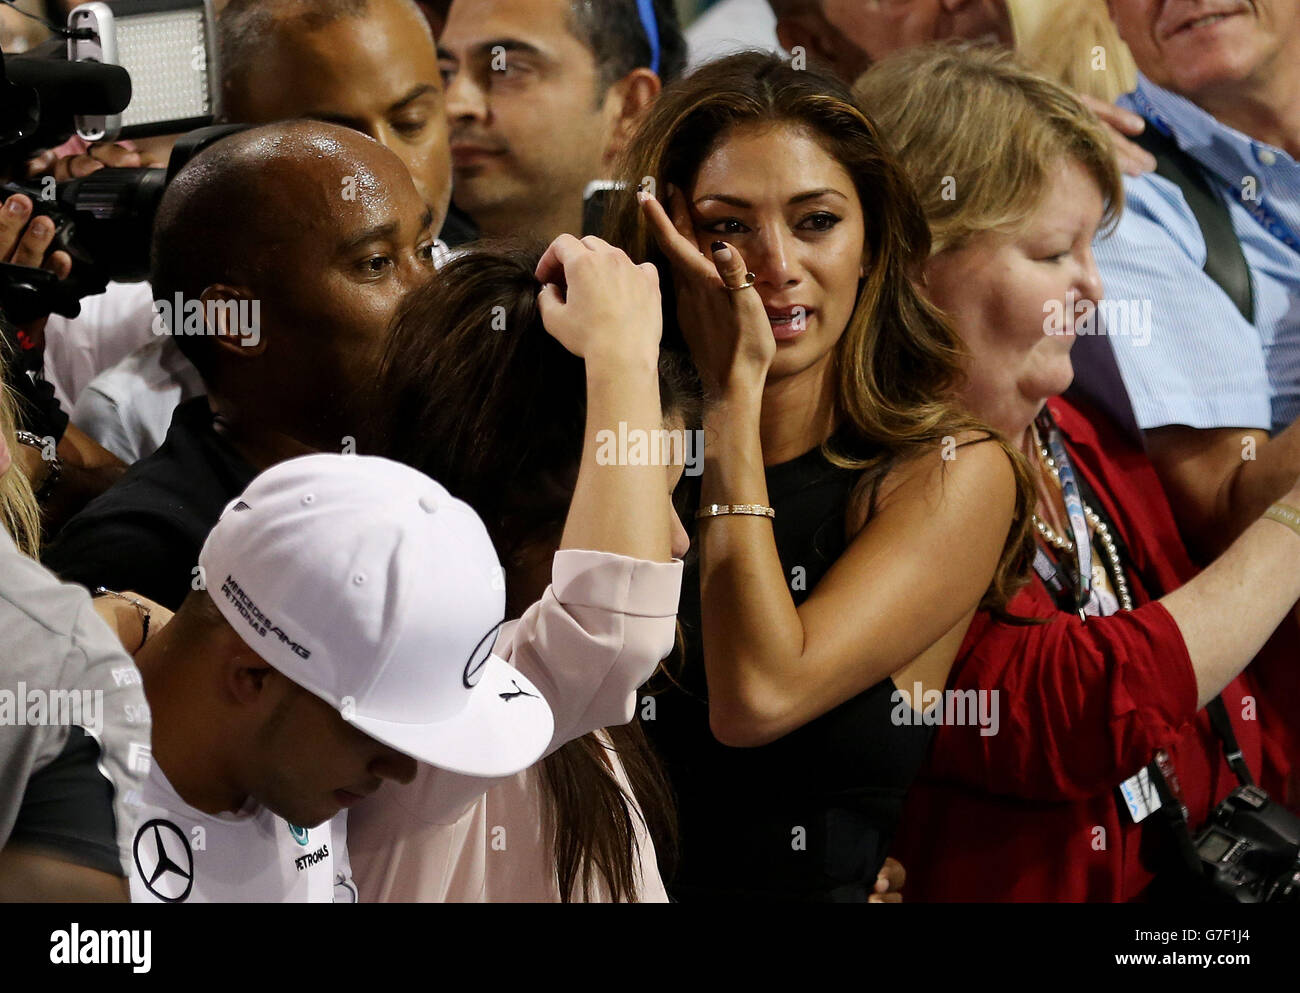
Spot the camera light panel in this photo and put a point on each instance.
(165, 53)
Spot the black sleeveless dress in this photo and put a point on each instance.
(811, 815)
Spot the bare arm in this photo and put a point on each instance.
(1219, 481)
(609, 314)
(620, 508)
(1227, 612)
(88, 470)
(128, 621)
(916, 571)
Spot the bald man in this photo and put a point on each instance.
(369, 65)
(279, 257)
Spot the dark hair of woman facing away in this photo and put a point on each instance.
(477, 395)
(898, 362)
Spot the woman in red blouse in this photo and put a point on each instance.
(1048, 795)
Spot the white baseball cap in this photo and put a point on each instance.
(368, 584)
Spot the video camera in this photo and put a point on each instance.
(132, 68)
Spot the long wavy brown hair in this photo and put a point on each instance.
(898, 363)
(477, 394)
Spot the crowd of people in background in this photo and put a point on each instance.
(833, 445)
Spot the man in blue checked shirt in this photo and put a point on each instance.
(1215, 384)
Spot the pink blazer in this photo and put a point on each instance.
(594, 638)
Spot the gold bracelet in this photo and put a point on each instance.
(1284, 513)
(722, 509)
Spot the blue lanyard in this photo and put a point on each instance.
(646, 11)
(1264, 215)
(1084, 593)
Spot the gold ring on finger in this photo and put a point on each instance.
(749, 281)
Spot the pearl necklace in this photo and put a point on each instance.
(1100, 530)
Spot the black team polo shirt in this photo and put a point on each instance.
(145, 532)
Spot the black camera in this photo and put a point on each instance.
(134, 69)
(1250, 849)
(104, 221)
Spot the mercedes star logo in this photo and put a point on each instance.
(164, 861)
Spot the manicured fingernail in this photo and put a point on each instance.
(720, 251)
(642, 195)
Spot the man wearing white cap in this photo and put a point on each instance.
(346, 632)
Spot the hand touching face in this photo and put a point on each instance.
(793, 213)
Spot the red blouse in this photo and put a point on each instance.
(1031, 813)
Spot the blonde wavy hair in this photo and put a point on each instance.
(1076, 43)
(980, 136)
(19, 513)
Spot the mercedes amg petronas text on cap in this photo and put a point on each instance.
(366, 583)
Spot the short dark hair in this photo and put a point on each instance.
(194, 244)
(245, 27)
(612, 29)
(218, 219)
